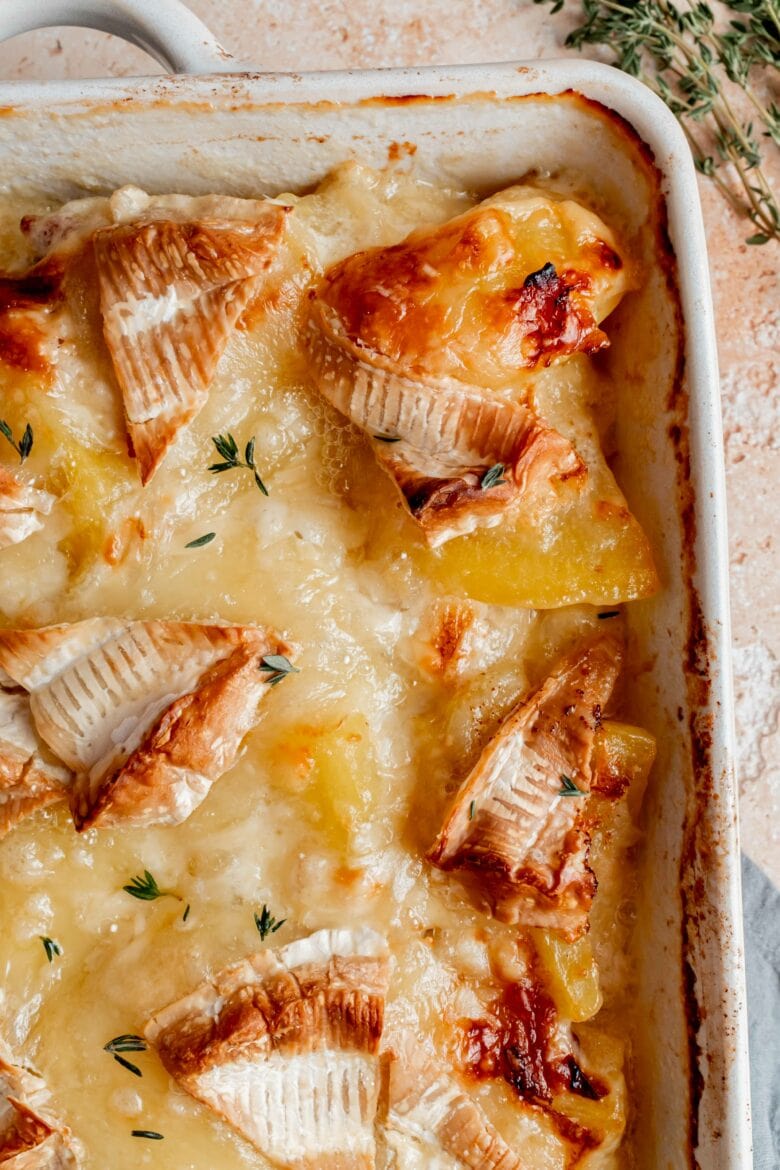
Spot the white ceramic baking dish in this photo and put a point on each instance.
(483, 127)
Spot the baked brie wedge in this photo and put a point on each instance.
(424, 344)
(147, 715)
(29, 1139)
(30, 777)
(517, 833)
(173, 275)
(171, 293)
(429, 1108)
(285, 1046)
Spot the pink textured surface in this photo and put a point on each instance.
(333, 34)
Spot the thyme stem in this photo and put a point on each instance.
(691, 63)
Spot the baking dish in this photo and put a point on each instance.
(483, 127)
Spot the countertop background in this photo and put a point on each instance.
(332, 34)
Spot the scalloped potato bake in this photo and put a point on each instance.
(317, 793)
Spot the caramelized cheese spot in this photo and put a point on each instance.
(465, 299)
(452, 621)
(25, 301)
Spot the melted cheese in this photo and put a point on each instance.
(343, 783)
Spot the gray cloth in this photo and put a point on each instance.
(762, 956)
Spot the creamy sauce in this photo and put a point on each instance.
(342, 785)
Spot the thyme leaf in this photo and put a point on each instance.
(472, 807)
(569, 788)
(278, 666)
(693, 64)
(129, 1042)
(493, 477)
(24, 446)
(388, 438)
(201, 540)
(608, 613)
(151, 1134)
(51, 947)
(266, 923)
(145, 888)
(227, 448)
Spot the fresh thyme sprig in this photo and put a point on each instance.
(24, 446)
(684, 55)
(266, 923)
(128, 1064)
(146, 889)
(227, 447)
(278, 666)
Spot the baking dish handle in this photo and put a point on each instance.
(165, 29)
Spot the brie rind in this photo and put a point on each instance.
(427, 1106)
(517, 832)
(420, 344)
(28, 1141)
(285, 1046)
(146, 714)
